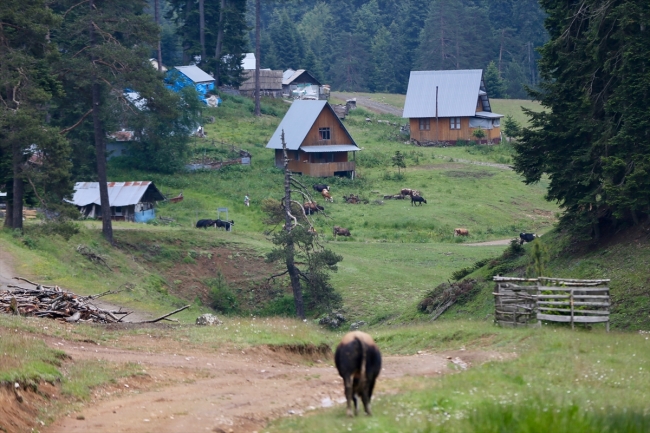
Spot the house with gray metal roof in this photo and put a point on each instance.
(444, 107)
(318, 144)
(192, 75)
(301, 84)
(129, 201)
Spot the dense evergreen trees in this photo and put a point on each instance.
(372, 45)
(593, 140)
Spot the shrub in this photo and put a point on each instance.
(222, 297)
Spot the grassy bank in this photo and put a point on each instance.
(560, 381)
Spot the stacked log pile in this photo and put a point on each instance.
(55, 303)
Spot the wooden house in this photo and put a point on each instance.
(270, 83)
(447, 106)
(301, 84)
(130, 201)
(317, 142)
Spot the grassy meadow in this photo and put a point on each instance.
(551, 379)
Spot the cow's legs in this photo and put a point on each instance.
(349, 396)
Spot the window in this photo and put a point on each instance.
(425, 124)
(324, 133)
(454, 122)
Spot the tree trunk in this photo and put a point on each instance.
(290, 249)
(186, 47)
(100, 148)
(9, 213)
(157, 16)
(202, 29)
(217, 51)
(258, 12)
(18, 188)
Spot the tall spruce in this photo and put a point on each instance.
(592, 140)
(34, 157)
(106, 46)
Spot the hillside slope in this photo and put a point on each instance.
(624, 258)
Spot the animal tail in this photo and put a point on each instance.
(362, 377)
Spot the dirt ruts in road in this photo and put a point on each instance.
(228, 390)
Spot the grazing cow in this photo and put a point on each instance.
(225, 224)
(408, 191)
(358, 361)
(461, 232)
(526, 237)
(327, 196)
(311, 207)
(320, 187)
(340, 231)
(204, 224)
(417, 199)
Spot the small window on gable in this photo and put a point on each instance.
(324, 133)
(425, 124)
(454, 122)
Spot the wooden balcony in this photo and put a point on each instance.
(325, 169)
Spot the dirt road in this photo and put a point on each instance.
(365, 102)
(229, 390)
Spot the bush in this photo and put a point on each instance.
(222, 297)
(462, 273)
(63, 228)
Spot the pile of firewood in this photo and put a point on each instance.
(56, 303)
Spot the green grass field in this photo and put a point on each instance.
(559, 381)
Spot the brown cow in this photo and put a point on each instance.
(327, 196)
(461, 232)
(311, 207)
(408, 191)
(340, 231)
(358, 362)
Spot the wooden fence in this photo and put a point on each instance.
(524, 301)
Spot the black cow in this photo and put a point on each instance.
(358, 361)
(204, 224)
(417, 199)
(225, 224)
(527, 237)
(320, 187)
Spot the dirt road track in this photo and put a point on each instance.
(226, 391)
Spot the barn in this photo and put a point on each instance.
(448, 106)
(130, 201)
(301, 84)
(270, 83)
(318, 144)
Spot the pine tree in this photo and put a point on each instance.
(495, 86)
(592, 140)
(34, 157)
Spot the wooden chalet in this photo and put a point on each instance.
(447, 106)
(317, 142)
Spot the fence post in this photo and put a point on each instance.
(539, 321)
(571, 302)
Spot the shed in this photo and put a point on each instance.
(270, 83)
(182, 76)
(300, 84)
(318, 144)
(447, 106)
(129, 201)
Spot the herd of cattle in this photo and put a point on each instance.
(311, 207)
(218, 223)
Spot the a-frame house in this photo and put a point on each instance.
(318, 144)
